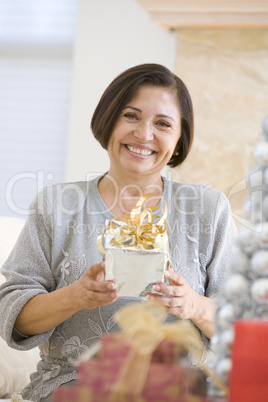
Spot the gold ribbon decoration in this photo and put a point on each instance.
(137, 229)
(142, 324)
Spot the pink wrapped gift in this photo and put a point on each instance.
(164, 382)
(147, 362)
(72, 394)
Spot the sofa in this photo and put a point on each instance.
(15, 365)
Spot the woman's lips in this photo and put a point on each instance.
(143, 151)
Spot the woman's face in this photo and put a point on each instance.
(146, 132)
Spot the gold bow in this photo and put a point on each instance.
(142, 323)
(137, 229)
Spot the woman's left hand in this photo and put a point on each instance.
(181, 300)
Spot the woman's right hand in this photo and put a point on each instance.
(47, 310)
(92, 291)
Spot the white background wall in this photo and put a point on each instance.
(112, 35)
(36, 44)
(56, 59)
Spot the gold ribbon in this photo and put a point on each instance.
(141, 322)
(137, 229)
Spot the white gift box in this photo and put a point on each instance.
(135, 271)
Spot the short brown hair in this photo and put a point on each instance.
(123, 88)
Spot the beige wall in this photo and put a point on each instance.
(226, 72)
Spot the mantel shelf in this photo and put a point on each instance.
(180, 14)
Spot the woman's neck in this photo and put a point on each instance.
(120, 195)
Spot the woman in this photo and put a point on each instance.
(55, 295)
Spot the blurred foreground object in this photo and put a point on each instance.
(148, 361)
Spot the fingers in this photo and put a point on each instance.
(95, 270)
(176, 285)
(94, 295)
(178, 297)
(174, 277)
(93, 278)
(177, 306)
(176, 291)
(92, 290)
(173, 296)
(89, 298)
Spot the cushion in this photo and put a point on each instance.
(15, 365)
(15, 368)
(10, 228)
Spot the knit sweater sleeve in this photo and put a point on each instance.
(222, 244)
(27, 272)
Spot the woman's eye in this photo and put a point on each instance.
(131, 116)
(164, 124)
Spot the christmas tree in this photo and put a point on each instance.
(244, 291)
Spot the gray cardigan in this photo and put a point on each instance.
(58, 243)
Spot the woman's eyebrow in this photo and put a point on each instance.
(139, 110)
(165, 115)
(132, 107)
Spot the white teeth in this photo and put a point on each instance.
(139, 151)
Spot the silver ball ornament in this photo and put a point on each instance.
(247, 240)
(226, 315)
(259, 290)
(261, 235)
(240, 262)
(236, 286)
(259, 262)
(226, 340)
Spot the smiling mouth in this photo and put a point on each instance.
(144, 152)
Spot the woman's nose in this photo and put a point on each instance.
(144, 131)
